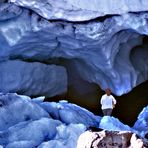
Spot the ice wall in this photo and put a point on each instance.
(97, 46)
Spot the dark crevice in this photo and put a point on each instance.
(101, 19)
(146, 136)
(92, 143)
(74, 28)
(95, 129)
(30, 12)
(98, 19)
(62, 25)
(39, 19)
(4, 1)
(137, 12)
(131, 104)
(145, 40)
(138, 58)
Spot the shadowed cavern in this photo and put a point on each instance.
(72, 50)
(89, 52)
(128, 105)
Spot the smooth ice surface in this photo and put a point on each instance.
(38, 99)
(26, 123)
(32, 78)
(36, 131)
(21, 144)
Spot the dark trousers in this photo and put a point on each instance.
(107, 112)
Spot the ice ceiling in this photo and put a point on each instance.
(44, 43)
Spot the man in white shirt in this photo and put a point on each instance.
(108, 102)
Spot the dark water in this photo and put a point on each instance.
(128, 106)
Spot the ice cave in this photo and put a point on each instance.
(57, 57)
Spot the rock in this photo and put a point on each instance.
(109, 139)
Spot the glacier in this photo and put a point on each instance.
(26, 123)
(107, 49)
(47, 46)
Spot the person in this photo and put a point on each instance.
(108, 102)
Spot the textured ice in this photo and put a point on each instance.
(141, 124)
(37, 131)
(38, 99)
(99, 51)
(81, 10)
(21, 144)
(25, 123)
(113, 124)
(44, 43)
(66, 136)
(71, 113)
(15, 109)
(14, 11)
(28, 124)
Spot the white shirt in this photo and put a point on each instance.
(107, 101)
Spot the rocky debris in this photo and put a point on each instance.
(109, 139)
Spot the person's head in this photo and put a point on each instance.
(108, 91)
